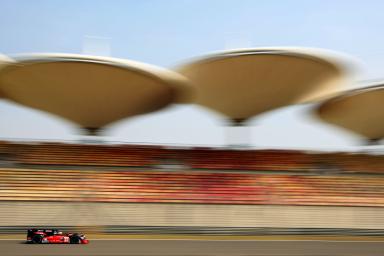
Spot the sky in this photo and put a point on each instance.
(169, 32)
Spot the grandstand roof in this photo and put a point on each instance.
(359, 111)
(91, 91)
(243, 83)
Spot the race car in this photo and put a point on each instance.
(54, 236)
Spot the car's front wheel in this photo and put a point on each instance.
(75, 239)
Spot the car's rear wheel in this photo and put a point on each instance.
(75, 239)
(37, 239)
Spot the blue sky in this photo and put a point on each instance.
(166, 33)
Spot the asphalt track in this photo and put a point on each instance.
(196, 247)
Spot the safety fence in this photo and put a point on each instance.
(189, 216)
(171, 230)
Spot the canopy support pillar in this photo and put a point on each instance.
(92, 131)
(91, 135)
(237, 134)
(372, 142)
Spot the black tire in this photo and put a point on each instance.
(75, 239)
(37, 239)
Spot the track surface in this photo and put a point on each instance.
(193, 248)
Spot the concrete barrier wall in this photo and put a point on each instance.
(189, 215)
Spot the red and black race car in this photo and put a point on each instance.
(54, 236)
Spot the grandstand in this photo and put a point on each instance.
(195, 181)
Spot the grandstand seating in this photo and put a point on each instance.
(190, 187)
(212, 175)
(350, 163)
(144, 156)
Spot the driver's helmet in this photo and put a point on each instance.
(59, 233)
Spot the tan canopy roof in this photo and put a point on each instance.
(360, 111)
(241, 84)
(91, 91)
(4, 61)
